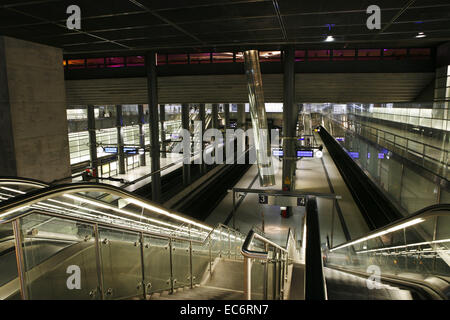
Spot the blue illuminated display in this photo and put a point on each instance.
(110, 149)
(277, 152)
(305, 153)
(130, 150)
(381, 156)
(354, 155)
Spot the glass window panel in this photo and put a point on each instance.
(369, 54)
(269, 56)
(220, 57)
(161, 58)
(177, 59)
(197, 58)
(180, 263)
(420, 53)
(115, 62)
(76, 64)
(137, 61)
(318, 55)
(343, 54)
(95, 63)
(300, 55)
(392, 54)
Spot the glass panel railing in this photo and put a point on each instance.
(157, 272)
(181, 264)
(59, 258)
(9, 284)
(416, 248)
(121, 264)
(122, 247)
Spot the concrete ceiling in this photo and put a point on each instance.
(194, 25)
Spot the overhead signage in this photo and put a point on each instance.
(130, 150)
(110, 149)
(301, 201)
(277, 152)
(263, 199)
(305, 153)
(354, 155)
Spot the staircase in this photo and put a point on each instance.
(225, 283)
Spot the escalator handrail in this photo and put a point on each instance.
(38, 195)
(424, 212)
(20, 180)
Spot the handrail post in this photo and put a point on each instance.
(19, 258)
(190, 264)
(247, 278)
(171, 266)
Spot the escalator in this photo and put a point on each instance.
(96, 241)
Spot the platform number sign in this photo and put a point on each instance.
(301, 201)
(263, 199)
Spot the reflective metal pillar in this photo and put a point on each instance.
(185, 125)
(120, 144)
(92, 139)
(152, 89)
(259, 119)
(202, 116)
(141, 122)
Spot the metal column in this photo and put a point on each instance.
(152, 89)
(92, 139)
(202, 116)
(162, 118)
(120, 153)
(141, 134)
(187, 153)
(259, 118)
(215, 116)
(226, 110)
(290, 111)
(241, 116)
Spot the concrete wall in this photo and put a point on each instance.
(36, 103)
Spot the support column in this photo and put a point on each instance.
(290, 114)
(187, 153)
(120, 144)
(202, 116)
(241, 119)
(152, 88)
(141, 122)
(33, 119)
(259, 118)
(226, 110)
(215, 116)
(162, 118)
(92, 139)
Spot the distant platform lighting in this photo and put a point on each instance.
(329, 39)
(421, 35)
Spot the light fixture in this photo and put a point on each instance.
(421, 35)
(329, 39)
